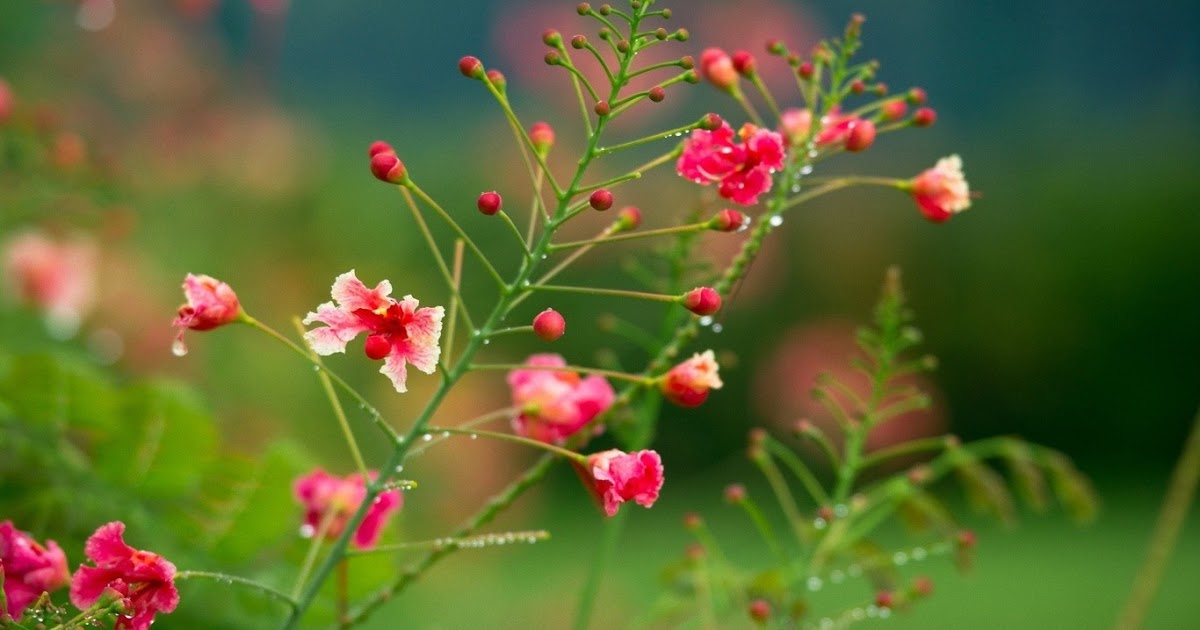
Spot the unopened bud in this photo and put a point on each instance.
(861, 136)
(776, 47)
(629, 218)
(601, 199)
(702, 301)
(858, 87)
(966, 539)
(660, 33)
(379, 146)
(552, 38)
(602, 108)
(717, 68)
(682, 35)
(916, 96)
(489, 202)
(578, 42)
(854, 28)
(728, 220)
(893, 110)
(657, 94)
(583, 8)
(744, 63)
(606, 9)
(694, 552)
(735, 493)
(541, 135)
(806, 70)
(687, 62)
(711, 122)
(880, 89)
(692, 521)
(760, 611)
(924, 117)
(885, 599)
(496, 78)
(549, 325)
(757, 436)
(552, 58)
(388, 168)
(922, 586)
(471, 67)
(623, 46)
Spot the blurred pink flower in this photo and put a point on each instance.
(942, 191)
(327, 496)
(28, 568)
(742, 170)
(553, 405)
(145, 579)
(398, 332)
(688, 383)
(210, 303)
(6, 101)
(57, 277)
(615, 477)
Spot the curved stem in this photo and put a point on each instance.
(624, 376)
(601, 557)
(463, 542)
(515, 439)
(455, 289)
(338, 412)
(691, 227)
(225, 578)
(640, 295)
(487, 264)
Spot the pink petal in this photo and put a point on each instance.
(426, 322)
(164, 598)
(393, 368)
(19, 596)
(351, 294)
(107, 546)
(88, 583)
(372, 524)
(341, 327)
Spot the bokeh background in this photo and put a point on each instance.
(227, 137)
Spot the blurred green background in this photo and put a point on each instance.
(1063, 307)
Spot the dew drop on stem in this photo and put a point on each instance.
(776, 221)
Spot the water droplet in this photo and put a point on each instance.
(776, 220)
(487, 342)
(819, 523)
(545, 256)
(476, 333)
(445, 434)
(427, 437)
(399, 468)
(884, 613)
(474, 437)
(717, 327)
(841, 510)
(795, 188)
(900, 558)
(179, 348)
(316, 368)
(307, 531)
(812, 153)
(814, 583)
(854, 570)
(745, 225)
(807, 169)
(857, 614)
(918, 553)
(706, 320)
(837, 577)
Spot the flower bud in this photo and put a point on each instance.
(388, 168)
(880, 89)
(623, 46)
(605, 9)
(601, 199)
(776, 47)
(6, 101)
(922, 586)
(861, 136)
(629, 218)
(885, 599)
(711, 122)
(471, 67)
(795, 123)
(489, 202)
(893, 110)
(688, 383)
(702, 301)
(924, 117)
(916, 96)
(682, 35)
(578, 42)
(602, 108)
(552, 38)
(728, 220)
(858, 87)
(687, 62)
(210, 303)
(549, 325)
(379, 146)
(717, 68)
(760, 611)
(735, 493)
(657, 94)
(496, 78)
(854, 28)
(806, 70)
(552, 58)
(660, 34)
(583, 8)
(966, 539)
(541, 135)
(744, 63)
(692, 521)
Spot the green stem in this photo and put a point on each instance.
(1180, 492)
(487, 264)
(511, 330)
(455, 287)
(600, 560)
(338, 412)
(611, 182)
(515, 439)
(225, 578)
(911, 447)
(452, 280)
(766, 94)
(800, 469)
(691, 227)
(665, 135)
(641, 295)
(313, 549)
(465, 542)
(783, 495)
(515, 231)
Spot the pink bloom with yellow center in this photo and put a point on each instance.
(397, 331)
(615, 477)
(326, 496)
(742, 170)
(57, 277)
(29, 569)
(553, 405)
(144, 579)
(942, 191)
(688, 383)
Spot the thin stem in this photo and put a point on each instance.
(800, 469)
(311, 557)
(634, 378)
(536, 208)
(576, 80)
(640, 295)
(911, 447)
(522, 137)
(516, 232)
(766, 94)
(600, 58)
(818, 437)
(563, 264)
(320, 365)
(692, 227)
(674, 63)
(611, 182)
(465, 542)
(515, 439)
(225, 578)
(764, 528)
(747, 106)
(487, 264)
(511, 330)
(601, 557)
(633, 99)
(455, 292)
(338, 412)
(666, 135)
(451, 283)
(343, 593)
(783, 495)
(580, 78)
(1180, 492)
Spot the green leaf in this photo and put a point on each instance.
(60, 392)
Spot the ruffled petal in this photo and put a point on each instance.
(394, 369)
(107, 546)
(341, 327)
(351, 294)
(88, 583)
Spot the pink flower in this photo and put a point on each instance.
(742, 170)
(29, 569)
(326, 496)
(210, 303)
(836, 128)
(555, 404)
(688, 383)
(615, 477)
(397, 332)
(6, 101)
(145, 579)
(57, 277)
(794, 124)
(942, 191)
(717, 68)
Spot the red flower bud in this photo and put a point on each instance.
(881, 89)
(602, 108)
(744, 63)
(922, 586)
(806, 70)
(717, 68)
(388, 168)
(379, 146)
(657, 94)
(496, 78)
(552, 38)
(776, 47)
(578, 42)
(861, 136)
(924, 117)
(893, 110)
(6, 101)
(549, 325)
(541, 134)
(471, 67)
(489, 202)
(916, 96)
(858, 87)
(583, 8)
(552, 58)
(629, 219)
(692, 521)
(601, 199)
(735, 493)
(660, 34)
(885, 599)
(967, 539)
(702, 301)
(728, 220)
(760, 611)
(711, 122)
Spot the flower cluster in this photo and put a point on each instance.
(742, 170)
(330, 501)
(144, 581)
